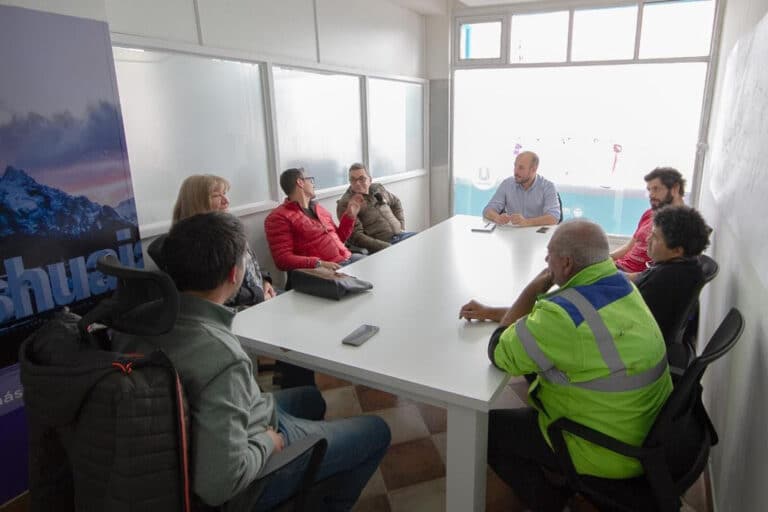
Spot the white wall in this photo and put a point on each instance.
(369, 35)
(735, 386)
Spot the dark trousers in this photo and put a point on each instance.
(291, 376)
(518, 453)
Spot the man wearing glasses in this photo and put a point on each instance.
(381, 222)
(302, 234)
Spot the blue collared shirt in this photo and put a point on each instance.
(540, 199)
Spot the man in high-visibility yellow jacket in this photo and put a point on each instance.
(598, 358)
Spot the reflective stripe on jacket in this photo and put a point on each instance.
(600, 360)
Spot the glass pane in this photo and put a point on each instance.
(318, 123)
(396, 123)
(539, 37)
(604, 34)
(188, 114)
(597, 130)
(677, 29)
(480, 40)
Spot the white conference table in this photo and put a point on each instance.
(423, 351)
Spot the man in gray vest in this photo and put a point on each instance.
(380, 222)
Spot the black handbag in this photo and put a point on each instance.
(326, 283)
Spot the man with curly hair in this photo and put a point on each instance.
(679, 235)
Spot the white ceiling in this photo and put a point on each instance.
(437, 7)
(426, 7)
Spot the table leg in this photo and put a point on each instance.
(466, 462)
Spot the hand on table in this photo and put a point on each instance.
(517, 219)
(329, 265)
(474, 310)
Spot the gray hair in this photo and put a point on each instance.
(357, 166)
(581, 240)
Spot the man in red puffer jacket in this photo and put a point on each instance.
(302, 234)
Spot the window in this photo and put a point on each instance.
(677, 29)
(604, 34)
(596, 137)
(189, 114)
(396, 126)
(480, 40)
(539, 37)
(578, 89)
(318, 123)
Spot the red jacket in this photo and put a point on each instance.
(296, 240)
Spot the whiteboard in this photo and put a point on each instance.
(739, 158)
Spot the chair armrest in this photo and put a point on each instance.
(292, 452)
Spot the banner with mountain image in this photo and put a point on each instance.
(66, 196)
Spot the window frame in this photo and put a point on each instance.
(266, 64)
(482, 62)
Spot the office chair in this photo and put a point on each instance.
(681, 348)
(673, 454)
(132, 474)
(710, 268)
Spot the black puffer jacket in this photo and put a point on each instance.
(104, 428)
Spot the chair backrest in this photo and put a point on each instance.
(120, 434)
(145, 302)
(687, 322)
(682, 429)
(709, 267)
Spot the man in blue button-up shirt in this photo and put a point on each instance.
(524, 199)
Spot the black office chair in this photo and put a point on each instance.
(145, 303)
(688, 336)
(674, 452)
(681, 347)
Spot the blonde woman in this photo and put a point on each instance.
(202, 193)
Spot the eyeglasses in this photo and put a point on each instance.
(359, 179)
(310, 179)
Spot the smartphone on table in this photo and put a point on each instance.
(360, 335)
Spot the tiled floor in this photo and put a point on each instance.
(411, 477)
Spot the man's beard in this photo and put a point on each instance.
(664, 202)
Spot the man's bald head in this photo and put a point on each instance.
(526, 165)
(530, 158)
(583, 241)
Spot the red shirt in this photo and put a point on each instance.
(636, 258)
